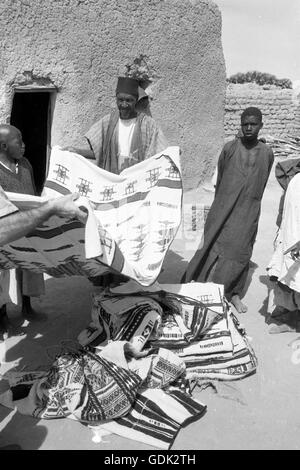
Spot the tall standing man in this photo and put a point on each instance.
(231, 226)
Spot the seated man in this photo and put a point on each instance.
(124, 137)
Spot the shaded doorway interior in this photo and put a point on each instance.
(32, 113)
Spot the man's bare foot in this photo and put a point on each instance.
(238, 304)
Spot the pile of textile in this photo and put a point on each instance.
(177, 333)
(134, 219)
(193, 320)
(142, 399)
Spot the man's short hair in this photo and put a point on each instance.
(252, 111)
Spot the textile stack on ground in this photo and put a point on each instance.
(134, 219)
(193, 320)
(140, 399)
(284, 148)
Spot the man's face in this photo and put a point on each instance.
(251, 125)
(126, 105)
(15, 147)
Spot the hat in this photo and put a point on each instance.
(127, 85)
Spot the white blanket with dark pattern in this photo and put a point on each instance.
(134, 219)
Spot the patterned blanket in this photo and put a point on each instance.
(193, 320)
(155, 418)
(103, 387)
(134, 219)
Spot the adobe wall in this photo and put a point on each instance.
(280, 108)
(81, 46)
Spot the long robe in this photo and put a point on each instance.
(232, 222)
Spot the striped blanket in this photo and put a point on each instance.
(155, 418)
(193, 320)
(134, 219)
(103, 387)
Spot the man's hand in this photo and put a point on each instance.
(69, 149)
(84, 152)
(65, 207)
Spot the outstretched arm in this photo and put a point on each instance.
(19, 224)
(85, 152)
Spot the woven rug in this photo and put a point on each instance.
(134, 219)
(156, 417)
(193, 320)
(101, 387)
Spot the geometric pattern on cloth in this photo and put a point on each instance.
(81, 385)
(232, 365)
(166, 368)
(173, 319)
(183, 321)
(133, 324)
(134, 219)
(156, 417)
(210, 341)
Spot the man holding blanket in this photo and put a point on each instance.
(124, 137)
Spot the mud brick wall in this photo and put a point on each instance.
(280, 108)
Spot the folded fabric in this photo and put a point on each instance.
(237, 365)
(99, 387)
(83, 386)
(119, 318)
(156, 417)
(134, 219)
(210, 341)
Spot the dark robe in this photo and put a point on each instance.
(232, 222)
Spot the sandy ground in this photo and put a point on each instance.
(258, 412)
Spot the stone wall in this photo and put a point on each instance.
(81, 46)
(280, 108)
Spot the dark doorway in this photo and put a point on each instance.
(31, 113)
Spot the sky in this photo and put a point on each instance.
(262, 35)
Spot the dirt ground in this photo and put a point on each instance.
(258, 412)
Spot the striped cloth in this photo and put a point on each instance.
(203, 333)
(136, 217)
(141, 401)
(156, 417)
